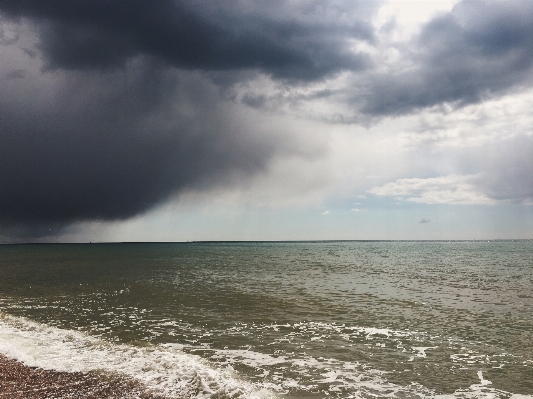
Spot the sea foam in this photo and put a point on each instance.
(166, 369)
(162, 369)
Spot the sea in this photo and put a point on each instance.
(331, 319)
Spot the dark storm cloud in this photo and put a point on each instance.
(229, 35)
(115, 124)
(480, 49)
(84, 146)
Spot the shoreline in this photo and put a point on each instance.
(18, 381)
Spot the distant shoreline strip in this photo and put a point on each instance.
(18, 381)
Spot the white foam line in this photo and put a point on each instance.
(168, 370)
(164, 369)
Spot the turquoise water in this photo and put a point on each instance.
(300, 319)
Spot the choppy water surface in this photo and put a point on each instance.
(302, 320)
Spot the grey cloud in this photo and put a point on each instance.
(509, 170)
(232, 35)
(16, 74)
(479, 49)
(85, 146)
(254, 101)
(123, 116)
(29, 53)
(7, 36)
(424, 220)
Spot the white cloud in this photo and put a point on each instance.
(489, 122)
(408, 16)
(451, 189)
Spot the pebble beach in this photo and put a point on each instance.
(18, 381)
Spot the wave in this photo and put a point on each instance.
(165, 370)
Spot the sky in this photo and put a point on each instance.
(135, 120)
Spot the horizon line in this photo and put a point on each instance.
(264, 241)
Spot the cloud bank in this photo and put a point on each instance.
(109, 108)
(478, 50)
(108, 146)
(302, 41)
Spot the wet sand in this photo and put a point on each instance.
(18, 381)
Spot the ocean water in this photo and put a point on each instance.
(278, 320)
